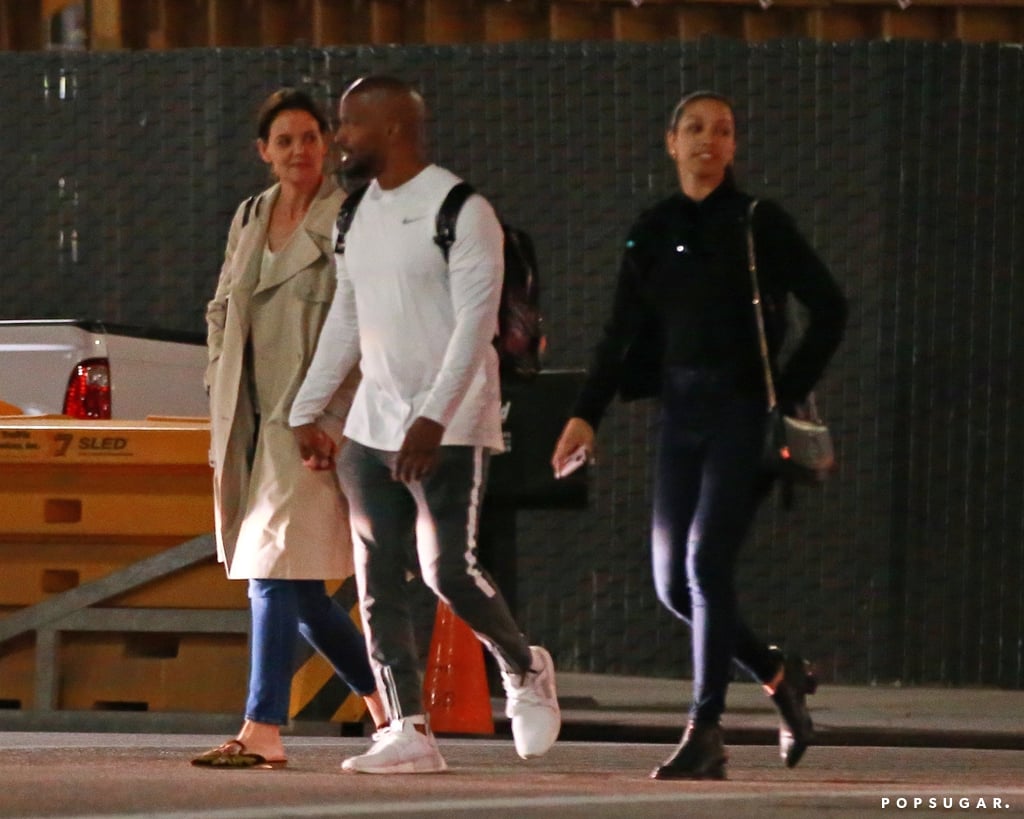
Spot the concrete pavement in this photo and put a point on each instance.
(641, 709)
(147, 776)
(881, 750)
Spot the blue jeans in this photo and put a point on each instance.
(705, 497)
(281, 610)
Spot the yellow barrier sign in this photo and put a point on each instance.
(137, 480)
(47, 439)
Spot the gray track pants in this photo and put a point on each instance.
(430, 528)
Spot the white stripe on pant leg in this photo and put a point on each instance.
(382, 673)
(473, 522)
(392, 705)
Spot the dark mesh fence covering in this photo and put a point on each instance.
(901, 162)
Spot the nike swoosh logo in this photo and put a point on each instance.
(408, 220)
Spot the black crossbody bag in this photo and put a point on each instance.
(797, 448)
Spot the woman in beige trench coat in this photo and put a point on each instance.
(279, 525)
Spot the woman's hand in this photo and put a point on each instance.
(578, 434)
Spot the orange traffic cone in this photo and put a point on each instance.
(455, 687)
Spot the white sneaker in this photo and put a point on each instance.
(532, 705)
(399, 748)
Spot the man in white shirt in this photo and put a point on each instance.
(423, 423)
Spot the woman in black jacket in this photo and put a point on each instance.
(683, 327)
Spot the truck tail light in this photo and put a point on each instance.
(88, 393)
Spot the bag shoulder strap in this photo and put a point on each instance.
(252, 208)
(444, 223)
(448, 215)
(346, 213)
(809, 404)
(762, 339)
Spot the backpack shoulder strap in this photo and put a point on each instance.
(448, 214)
(346, 213)
(252, 208)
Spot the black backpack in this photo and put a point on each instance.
(520, 340)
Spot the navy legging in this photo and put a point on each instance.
(705, 497)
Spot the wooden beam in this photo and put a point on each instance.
(451, 21)
(683, 4)
(106, 32)
(181, 24)
(233, 23)
(697, 21)
(336, 22)
(648, 23)
(284, 22)
(387, 22)
(773, 23)
(989, 25)
(216, 24)
(21, 25)
(917, 23)
(843, 23)
(158, 36)
(506, 22)
(116, 24)
(576, 21)
(947, 3)
(135, 22)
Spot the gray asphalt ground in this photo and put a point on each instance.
(881, 751)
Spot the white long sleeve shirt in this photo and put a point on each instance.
(420, 329)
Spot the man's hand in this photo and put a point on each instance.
(420, 451)
(315, 446)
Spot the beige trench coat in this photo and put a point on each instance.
(274, 517)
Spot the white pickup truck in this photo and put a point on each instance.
(94, 369)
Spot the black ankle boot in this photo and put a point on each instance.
(796, 731)
(700, 755)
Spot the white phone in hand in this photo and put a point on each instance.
(572, 463)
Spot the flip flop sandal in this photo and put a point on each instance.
(232, 754)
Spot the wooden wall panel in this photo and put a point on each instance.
(580, 21)
(285, 22)
(452, 21)
(842, 23)
(645, 24)
(340, 22)
(137, 20)
(918, 23)
(160, 33)
(515, 22)
(987, 25)
(180, 24)
(21, 27)
(773, 23)
(697, 21)
(387, 22)
(233, 23)
(166, 24)
(106, 34)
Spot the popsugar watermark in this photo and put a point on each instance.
(944, 803)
